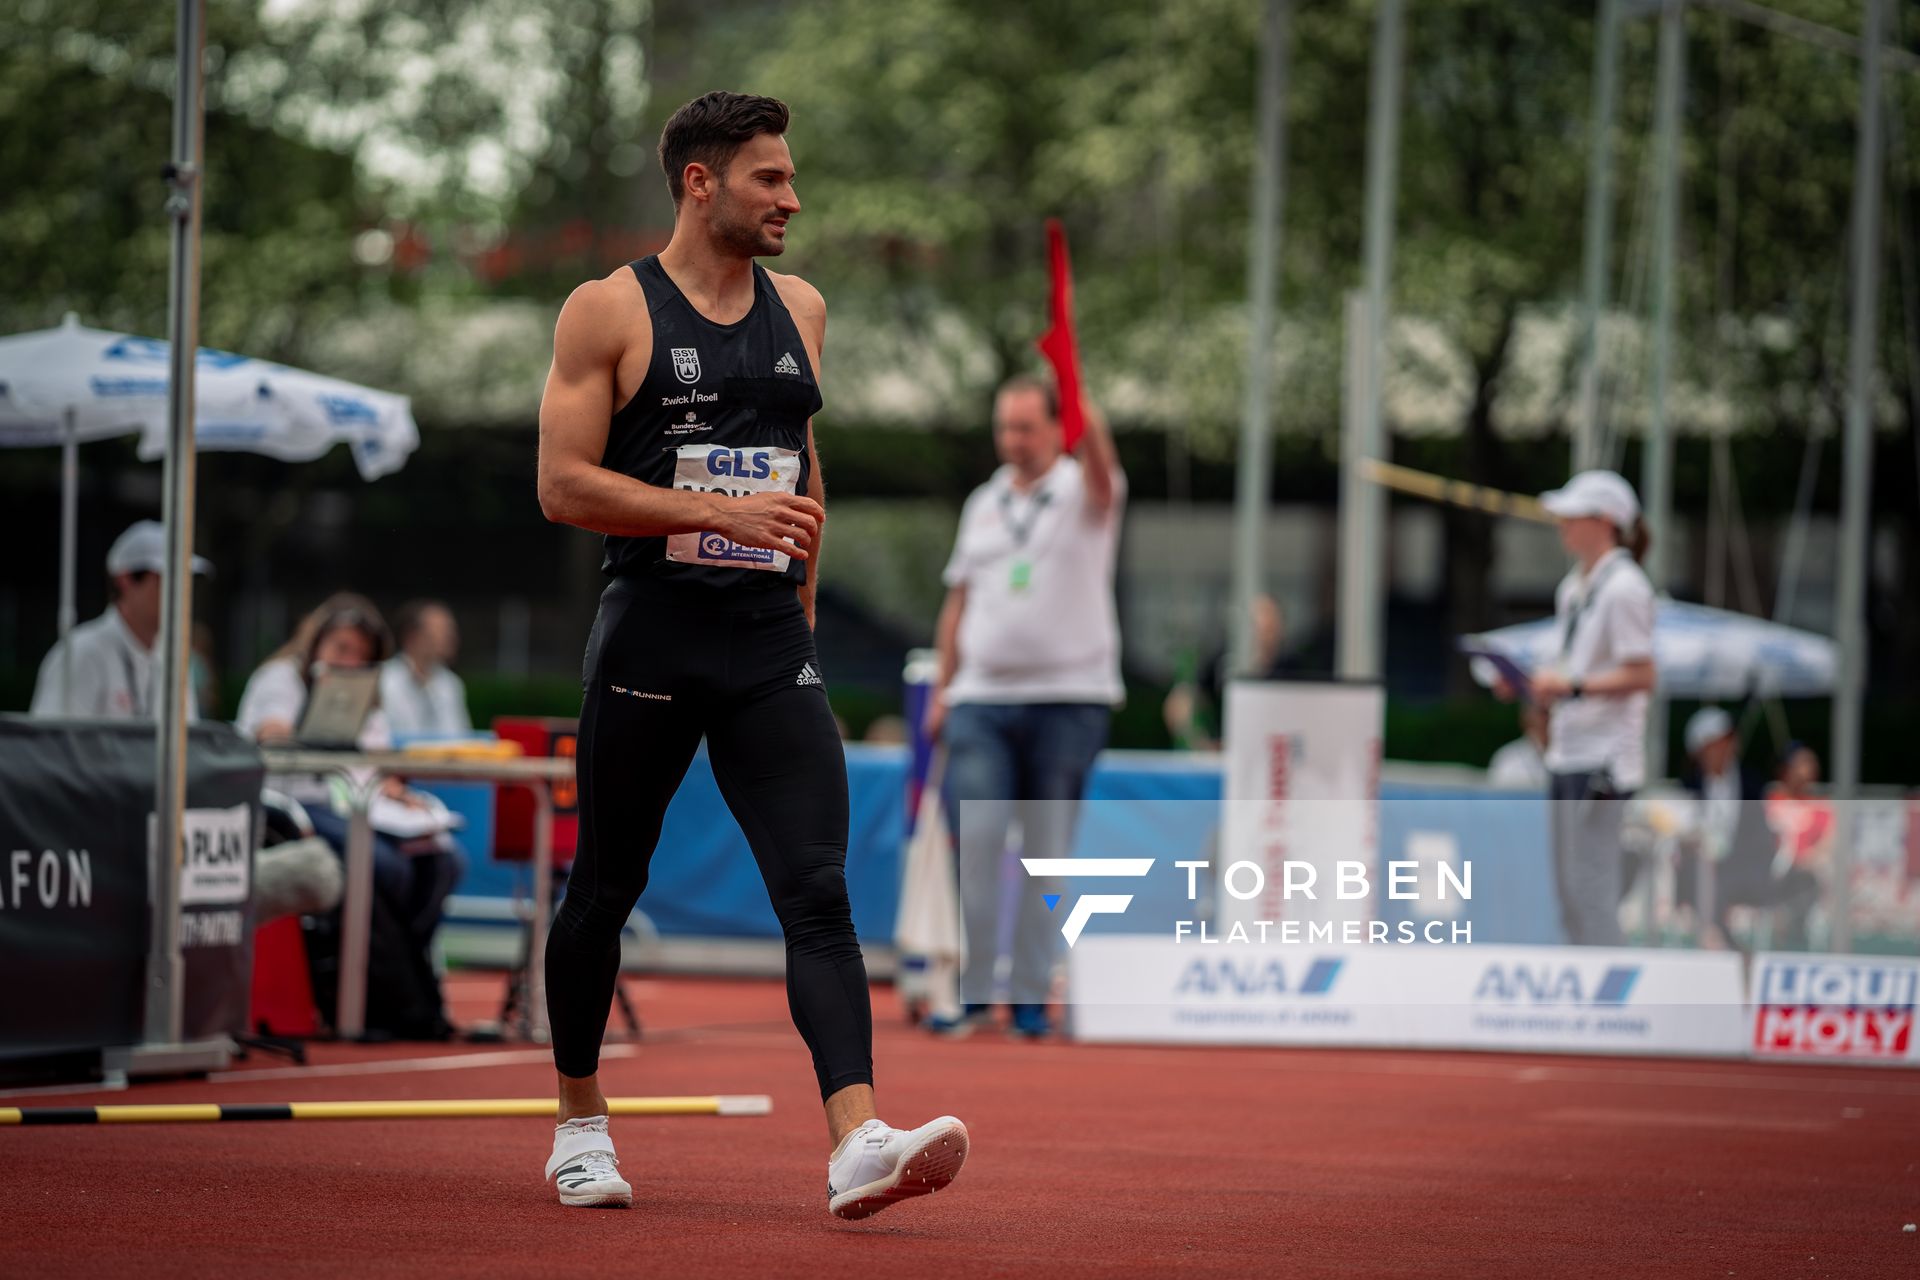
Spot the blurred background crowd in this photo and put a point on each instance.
(401, 195)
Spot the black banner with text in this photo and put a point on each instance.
(76, 805)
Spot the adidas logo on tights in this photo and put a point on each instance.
(787, 364)
(808, 675)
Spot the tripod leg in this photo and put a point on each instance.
(627, 1015)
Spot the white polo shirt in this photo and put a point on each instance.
(1039, 624)
(112, 674)
(1604, 619)
(435, 707)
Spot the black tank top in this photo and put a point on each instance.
(723, 407)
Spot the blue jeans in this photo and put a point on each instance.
(1007, 760)
(415, 886)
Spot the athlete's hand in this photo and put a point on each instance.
(775, 521)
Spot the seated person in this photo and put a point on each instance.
(1521, 765)
(346, 631)
(420, 694)
(1731, 829)
(110, 660)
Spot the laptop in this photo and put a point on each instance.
(337, 708)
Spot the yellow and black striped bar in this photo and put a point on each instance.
(736, 1104)
(1454, 493)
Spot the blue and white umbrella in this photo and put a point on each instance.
(71, 385)
(90, 384)
(1698, 651)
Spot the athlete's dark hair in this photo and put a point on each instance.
(711, 128)
(1034, 382)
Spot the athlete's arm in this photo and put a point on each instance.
(575, 411)
(1100, 461)
(817, 490)
(809, 311)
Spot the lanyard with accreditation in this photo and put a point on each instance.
(1580, 606)
(1021, 573)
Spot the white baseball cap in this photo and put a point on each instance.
(142, 548)
(1595, 493)
(1707, 725)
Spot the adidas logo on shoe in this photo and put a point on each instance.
(808, 675)
(787, 364)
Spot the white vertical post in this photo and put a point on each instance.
(163, 1005)
(1359, 640)
(1856, 493)
(1252, 484)
(69, 550)
(1656, 463)
(1358, 583)
(1599, 232)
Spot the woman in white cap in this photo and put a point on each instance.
(1596, 692)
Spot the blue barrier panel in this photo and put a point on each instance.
(704, 882)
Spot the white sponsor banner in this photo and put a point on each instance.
(1554, 999)
(1577, 1000)
(1302, 787)
(216, 855)
(1835, 1008)
(1154, 989)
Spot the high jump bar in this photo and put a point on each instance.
(750, 1104)
(1454, 493)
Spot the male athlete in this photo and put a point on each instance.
(677, 420)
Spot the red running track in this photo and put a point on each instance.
(1087, 1161)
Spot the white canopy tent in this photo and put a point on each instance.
(73, 384)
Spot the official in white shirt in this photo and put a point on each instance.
(111, 660)
(421, 696)
(1029, 644)
(1597, 691)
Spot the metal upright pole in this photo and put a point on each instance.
(163, 1006)
(1656, 464)
(1599, 232)
(1253, 482)
(1357, 584)
(69, 550)
(1361, 604)
(1855, 467)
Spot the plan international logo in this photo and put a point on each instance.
(1246, 881)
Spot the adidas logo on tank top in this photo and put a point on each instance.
(808, 675)
(787, 364)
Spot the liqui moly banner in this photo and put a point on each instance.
(1302, 801)
(1836, 1008)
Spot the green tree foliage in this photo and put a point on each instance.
(86, 96)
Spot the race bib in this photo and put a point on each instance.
(705, 468)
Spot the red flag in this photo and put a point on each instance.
(1058, 344)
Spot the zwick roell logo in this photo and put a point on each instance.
(1834, 1009)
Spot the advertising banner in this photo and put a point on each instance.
(1550, 999)
(76, 804)
(1302, 797)
(1835, 1008)
(1576, 1000)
